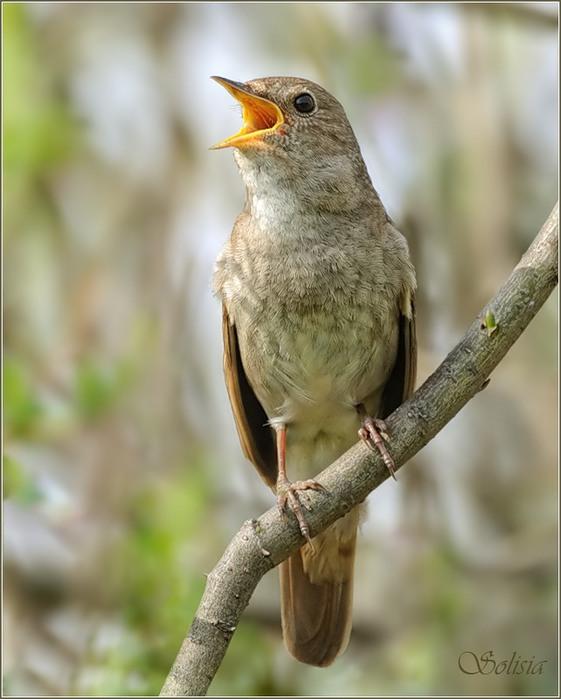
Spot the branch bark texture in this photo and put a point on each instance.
(263, 543)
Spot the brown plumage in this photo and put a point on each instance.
(319, 328)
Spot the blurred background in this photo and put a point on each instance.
(123, 477)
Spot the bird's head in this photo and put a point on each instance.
(284, 115)
(296, 140)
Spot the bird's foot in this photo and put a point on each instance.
(374, 433)
(287, 495)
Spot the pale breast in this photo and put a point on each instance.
(316, 313)
(313, 367)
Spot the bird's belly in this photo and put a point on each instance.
(327, 363)
(309, 373)
(329, 374)
(317, 371)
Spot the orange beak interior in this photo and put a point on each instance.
(260, 116)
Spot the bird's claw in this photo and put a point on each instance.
(287, 495)
(374, 433)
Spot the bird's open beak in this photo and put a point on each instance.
(260, 116)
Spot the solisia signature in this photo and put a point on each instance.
(486, 664)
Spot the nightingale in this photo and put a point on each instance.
(317, 291)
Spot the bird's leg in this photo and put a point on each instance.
(374, 433)
(287, 492)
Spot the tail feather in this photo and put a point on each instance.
(317, 616)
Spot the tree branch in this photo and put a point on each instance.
(262, 544)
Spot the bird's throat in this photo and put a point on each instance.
(279, 193)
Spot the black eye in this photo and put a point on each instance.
(304, 103)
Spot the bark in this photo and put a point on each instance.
(263, 543)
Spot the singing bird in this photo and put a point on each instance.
(317, 290)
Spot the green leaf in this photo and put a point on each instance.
(18, 485)
(22, 409)
(38, 128)
(99, 385)
(489, 323)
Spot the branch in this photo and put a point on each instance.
(262, 544)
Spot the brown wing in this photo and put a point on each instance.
(401, 383)
(256, 437)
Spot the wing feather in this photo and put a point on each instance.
(257, 438)
(401, 383)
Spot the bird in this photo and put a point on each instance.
(318, 318)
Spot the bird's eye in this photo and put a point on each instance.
(304, 103)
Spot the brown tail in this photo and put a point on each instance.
(317, 616)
